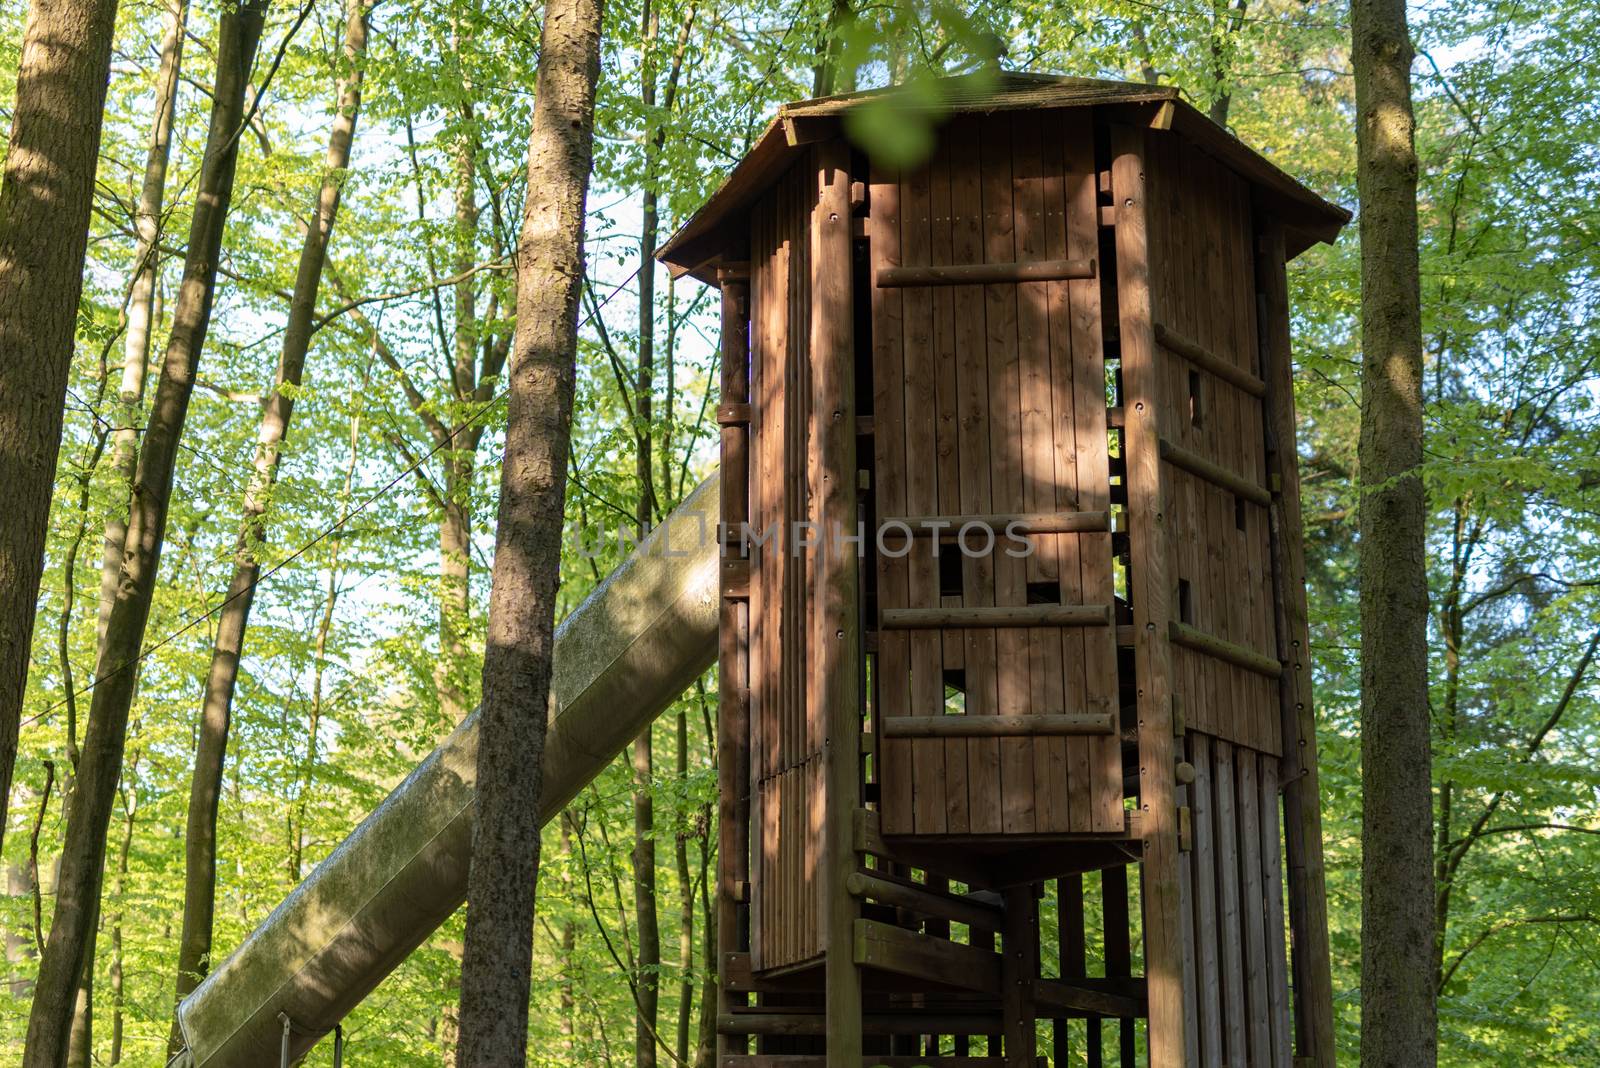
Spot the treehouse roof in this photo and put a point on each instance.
(704, 239)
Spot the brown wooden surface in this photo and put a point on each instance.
(1230, 918)
(1203, 866)
(998, 418)
(1036, 726)
(1211, 423)
(1019, 972)
(1308, 905)
(836, 706)
(985, 273)
(1149, 583)
(733, 680)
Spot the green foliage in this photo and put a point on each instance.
(1507, 103)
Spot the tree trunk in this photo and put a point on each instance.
(200, 843)
(646, 921)
(80, 1039)
(680, 856)
(83, 852)
(130, 806)
(45, 196)
(1398, 1022)
(143, 302)
(460, 457)
(497, 963)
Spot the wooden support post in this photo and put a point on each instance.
(733, 680)
(1163, 936)
(836, 698)
(1019, 973)
(1308, 901)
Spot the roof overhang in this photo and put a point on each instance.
(713, 233)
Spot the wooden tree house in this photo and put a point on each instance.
(1054, 799)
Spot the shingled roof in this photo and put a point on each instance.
(702, 238)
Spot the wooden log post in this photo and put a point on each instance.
(836, 648)
(1302, 825)
(1019, 973)
(733, 682)
(1163, 935)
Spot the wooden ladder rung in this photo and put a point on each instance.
(1033, 615)
(963, 726)
(1216, 474)
(1222, 649)
(1209, 361)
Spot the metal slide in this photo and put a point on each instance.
(638, 641)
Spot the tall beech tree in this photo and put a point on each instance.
(142, 294)
(1398, 996)
(83, 851)
(200, 841)
(497, 958)
(45, 198)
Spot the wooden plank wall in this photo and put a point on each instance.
(1233, 890)
(1219, 565)
(990, 399)
(786, 749)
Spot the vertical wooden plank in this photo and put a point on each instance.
(1253, 902)
(1119, 947)
(972, 377)
(838, 641)
(1005, 466)
(1019, 968)
(949, 457)
(1088, 476)
(1033, 183)
(1151, 611)
(1230, 922)
(1228, 339)
(1203, 857)
(733, 705)
(770, 295)
(1068, 163)
(1072, 950)
(896, 803)
(920, 402)
(1256, 623)
(1282, 1055)
(1308, 902)
(1191, 985)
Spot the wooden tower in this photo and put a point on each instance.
(1027, 773)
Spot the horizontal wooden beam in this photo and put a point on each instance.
(894, 949)
(949, 526)
(1077, 997)
(997, 726)
(985, 273)
(809, 129)
(1222, 649)
(925, 901)
(1033, 615)
(1208, 361)
(1217, 475)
